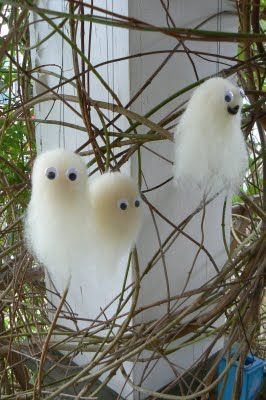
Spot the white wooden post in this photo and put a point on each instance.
(125, 78)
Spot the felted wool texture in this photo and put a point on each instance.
(210, 151)
(115, 215)
(55, 223)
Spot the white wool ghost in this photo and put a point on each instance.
(55, 227)
(115, 215)
(210, 151)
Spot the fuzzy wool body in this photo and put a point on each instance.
(115, 215)
(210, 151)
(55, 226)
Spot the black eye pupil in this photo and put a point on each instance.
(227, 98)
(123, 206)
(51, 175)
(72, 176)
(137, 203)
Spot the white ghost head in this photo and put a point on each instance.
(216, 100)
(116, 209)
(59, 174)
(55, 219)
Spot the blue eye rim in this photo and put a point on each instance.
(72, 174)
(137, 202)
(122, 204)
(242, 93)
(51, 173)
(228, 96)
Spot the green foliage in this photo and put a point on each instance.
(14, 150)
(16, 145)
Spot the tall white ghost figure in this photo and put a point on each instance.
(55, 227)
(115, 216)
(210, 151)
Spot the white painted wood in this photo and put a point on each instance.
(125, 78)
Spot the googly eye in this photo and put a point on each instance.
(228, 96)
(242, 93)
(122, 204)
(72, 174)
(137, 202)
(51, 173)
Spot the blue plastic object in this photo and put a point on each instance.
(252, 378)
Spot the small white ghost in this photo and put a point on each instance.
(115, 215)
(210, 151)
(55, 227)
